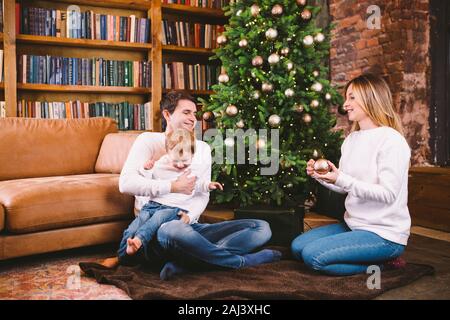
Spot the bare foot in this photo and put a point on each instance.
(133, 245)
(110, 262)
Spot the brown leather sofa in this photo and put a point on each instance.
(59, 184)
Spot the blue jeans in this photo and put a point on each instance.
(337, 250)
(145, 226)
(203, 246)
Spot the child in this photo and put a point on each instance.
(180, 148)
(373, 171)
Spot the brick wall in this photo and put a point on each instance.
(399, 50)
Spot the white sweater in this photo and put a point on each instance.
(374, 172)
(149, 145)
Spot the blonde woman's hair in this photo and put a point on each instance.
(181, 139)
(374, 96)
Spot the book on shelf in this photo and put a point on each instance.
(216, 4)
(2, 109)
(83, 71)
(187, 34)
(82, 25)
(129, 116)
(1, 66)
(182, 76)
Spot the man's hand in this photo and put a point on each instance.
(215, 185)
(329, 177)
(183, 184)
(184, 217)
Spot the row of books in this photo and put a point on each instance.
(189, 34)
(83, 71)
(217, 4)
(129, 116)
(82, 25)
(179, 75)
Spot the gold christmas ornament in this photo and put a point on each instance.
(208, 116)
(285, 51)
(321, 166)
(317, 86)
(222, 39)
(319, 37)
(307, 118)
(306, 14)
(289, 92)
(223, 78)
(255, 9)
(271, 33)
(274, 120)
(257, 61)
(231, 110)
(274, 58)
(243, 43)
(277, 10)
(308, 40)
(314, 103)
(267, 87)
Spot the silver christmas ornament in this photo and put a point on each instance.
(308, 40)
(267, 87)
(307, 118)
(319, 37)
(306, 14)
(317, 86)
(274, 58)
(271, 33)
(315, 73)
(301, 2)
(289, 92)
(327, 96)
(314, 103)
(277, 10)
(255, 9)
(274, 120)
(243, 43)
(223, 78)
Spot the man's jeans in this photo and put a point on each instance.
(337, 250)
(145, 226)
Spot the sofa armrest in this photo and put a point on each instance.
(114, 152)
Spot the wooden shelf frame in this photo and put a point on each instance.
(153, 51)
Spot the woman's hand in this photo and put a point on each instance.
(215, 185)
(329, 177)
(310, 167)
(184, 217)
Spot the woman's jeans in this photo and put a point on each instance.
(146, 224)
(337, 250)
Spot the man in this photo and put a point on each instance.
(225, 244)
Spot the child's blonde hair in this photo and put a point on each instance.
(182, 140)
(374, 96)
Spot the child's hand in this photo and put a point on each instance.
(184, 217)
(149, 164)
(215, 185)
(329, 177)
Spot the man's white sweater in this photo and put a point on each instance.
(150, 145)
(374, 173)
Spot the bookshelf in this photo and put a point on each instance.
(15, 45)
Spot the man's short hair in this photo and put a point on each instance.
(170, 101)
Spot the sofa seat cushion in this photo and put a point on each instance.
(38, 204)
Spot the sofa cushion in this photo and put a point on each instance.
(38, 204)
(50, 147)
(114, 152)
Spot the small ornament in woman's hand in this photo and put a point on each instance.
(321, 166)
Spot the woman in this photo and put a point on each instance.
(373, 171)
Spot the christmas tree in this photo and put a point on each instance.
(274, 76)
